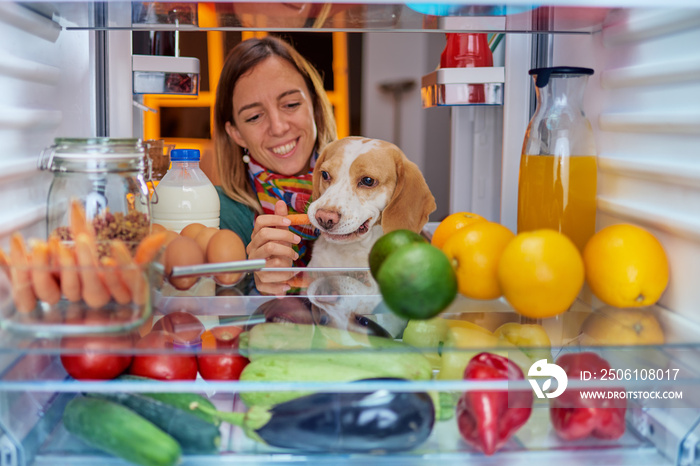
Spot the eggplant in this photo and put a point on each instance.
(378, 421)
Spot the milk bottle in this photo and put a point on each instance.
(185, 195)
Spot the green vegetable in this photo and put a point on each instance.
(308, 353)
(181, 400)
(390, 358)
(194, 434)
(118, 430)
(295, 368)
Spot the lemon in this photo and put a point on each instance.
(417, 281)
(389, 243)
(452, 223)
(621, 327)
(475, 251)
(541, 273)
(626, 266)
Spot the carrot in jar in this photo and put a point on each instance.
(70, 280)
(22, 292)
(4, 263)
(148, 247)
(95, 294)
(111, 277)
(45, 285)
(131, 274)
(78, 221)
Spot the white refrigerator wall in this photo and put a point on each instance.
(644, 104)
(46, 75)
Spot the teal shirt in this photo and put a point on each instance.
(235, 216)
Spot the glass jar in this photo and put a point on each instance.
(558, 168)
(107, 176)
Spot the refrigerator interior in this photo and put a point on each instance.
(66, 70)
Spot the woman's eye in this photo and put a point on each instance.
(367, 181)
(252, 118)
(325, 175)
(292, 104)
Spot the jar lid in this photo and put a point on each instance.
(543, 74)
(91, 150)
(184, 155)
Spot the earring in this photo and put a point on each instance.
(246, 156)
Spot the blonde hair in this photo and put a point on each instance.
(229, 155)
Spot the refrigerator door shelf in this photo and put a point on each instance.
(155, 74)
(463, 86)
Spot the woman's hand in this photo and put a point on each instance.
(272, 240)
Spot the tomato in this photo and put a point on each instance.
(221, 366)
(95, 361)
(226, 364)
(163, 363)
(184, 328)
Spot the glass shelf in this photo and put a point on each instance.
(324, 17)
(339, 313)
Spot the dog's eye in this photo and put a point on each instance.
(367, 181)
(325, 175)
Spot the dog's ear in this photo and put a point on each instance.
(316, 178)
(412, 202)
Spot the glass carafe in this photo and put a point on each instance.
(558, 169)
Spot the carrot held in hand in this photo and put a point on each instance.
(299, 219)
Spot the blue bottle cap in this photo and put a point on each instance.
(184, 155)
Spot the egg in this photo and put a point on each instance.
(180, 252)
(169, 236)
(226, 246)
(204, 236)
(192, 230)
(157, 228)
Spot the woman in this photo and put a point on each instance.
(272, 117)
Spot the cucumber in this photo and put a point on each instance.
(194, 434)
(181, 400)
(119, 431)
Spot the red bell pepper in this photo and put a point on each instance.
(488, 418)
(575, 417)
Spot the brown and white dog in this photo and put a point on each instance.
(363, 188)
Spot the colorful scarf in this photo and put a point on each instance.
(294, 191)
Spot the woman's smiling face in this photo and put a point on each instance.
(274, 117)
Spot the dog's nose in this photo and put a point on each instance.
(327, 218)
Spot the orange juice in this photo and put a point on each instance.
(558, 193)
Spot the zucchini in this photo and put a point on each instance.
(383, 356)
(296, 368)
(117, 430)
(194, 434)
(181, 400)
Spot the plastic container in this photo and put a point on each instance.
(185, 195)
(558, 167)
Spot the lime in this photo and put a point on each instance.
(389, 243)
(417, 281)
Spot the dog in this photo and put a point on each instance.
(362, 189)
